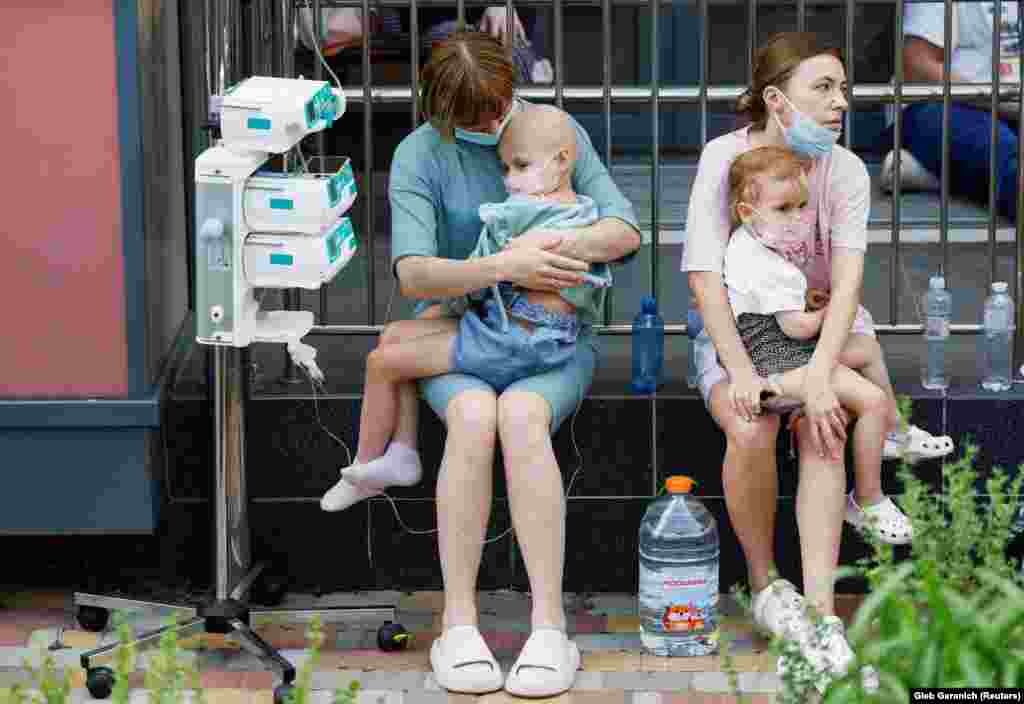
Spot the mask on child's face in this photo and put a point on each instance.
(534, 181)
(793, 239)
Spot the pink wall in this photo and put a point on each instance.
(61, 257)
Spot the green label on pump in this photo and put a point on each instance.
(282, 204)
(259, 123)
(282, 259)
(340, 240)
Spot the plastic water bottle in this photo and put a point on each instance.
(678, 574)
(648, 347)
(938, 306)
(694, 326)
(999, 327)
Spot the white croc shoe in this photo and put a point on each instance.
(915, 445)
(885, 519)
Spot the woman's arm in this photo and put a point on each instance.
(713, 302)
(607, 240)
(537, 268)
(828, 420)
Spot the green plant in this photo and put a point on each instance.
(124, 664)
(54, 687)
(304, 681)
(167, 675)
(951, 613)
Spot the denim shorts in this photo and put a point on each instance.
(502, 357)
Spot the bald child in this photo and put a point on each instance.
(501, 334)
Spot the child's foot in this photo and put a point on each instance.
(915, 444)
(345, 493)
(883, 517)
(400, 465)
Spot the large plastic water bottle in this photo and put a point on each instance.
(938, 306)
(999, 325)
(678, 574)
(694, 326)
(648, 347)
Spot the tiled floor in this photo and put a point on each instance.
(614, 670)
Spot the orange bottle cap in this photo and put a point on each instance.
(679, 484)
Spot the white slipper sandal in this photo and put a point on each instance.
(546, 666)
(463, 663)
(885, 518)
(916, 445)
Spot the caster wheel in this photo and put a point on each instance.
(282, 693)
(93, 618)
(392, 637)
(100, 682)
(268, 591)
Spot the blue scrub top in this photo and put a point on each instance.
(437, 187)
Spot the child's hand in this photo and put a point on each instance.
(817, 298)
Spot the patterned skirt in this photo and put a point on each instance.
(770, 349)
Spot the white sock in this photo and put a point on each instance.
(399, 465)
(344, 494)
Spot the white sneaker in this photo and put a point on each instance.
(830, 656)
(913, 175)
(781, 610)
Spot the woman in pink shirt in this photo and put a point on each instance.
(797, 100)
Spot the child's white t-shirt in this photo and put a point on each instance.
(840, 197)
(760, 280)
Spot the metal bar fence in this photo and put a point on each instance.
(609, 95)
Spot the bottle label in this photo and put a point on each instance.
(689, 602)
(999, 321)
(937, 327)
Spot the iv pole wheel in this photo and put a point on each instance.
(392, 637)
(93, 618)
(100, 682)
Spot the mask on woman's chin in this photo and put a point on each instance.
(805, 136)
(487, 139)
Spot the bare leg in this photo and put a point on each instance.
(820, 508)
(863, 354)
(425, 352)
(535, 500)
(750, 477)
(408, 398)
(821, 493)
(464, 492)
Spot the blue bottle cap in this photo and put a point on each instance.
(648, 305)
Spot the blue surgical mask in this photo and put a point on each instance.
(486, 139)
(805, 136)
